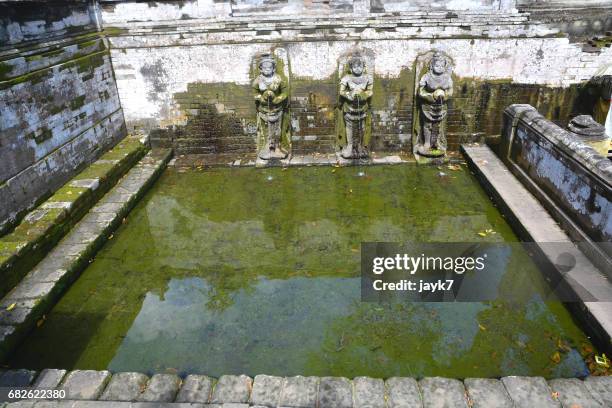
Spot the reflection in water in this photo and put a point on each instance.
(225, 271)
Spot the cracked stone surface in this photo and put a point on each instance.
(335, 392)
(232, 388)
(125, 387)
(162, 388)
(441, 392)
(49, 378)
(572, 392)
(195, 388)
(403, 392)
(266, 390)
(85, 384)
(369, 392)
(487, 392)
(530, 392)
(299, 392)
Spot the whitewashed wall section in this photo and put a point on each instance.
(148, 77)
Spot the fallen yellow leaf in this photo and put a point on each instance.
(556, 357)
(11, 307)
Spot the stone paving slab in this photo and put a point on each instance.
(441, 392)
(125, 387)
(403, 392)
(335, 392)
(49, 379)
(266, 390)
(530, 392)
(162, 388)
(40, 289)
(89, 389)
(85, 384)
(487, 392)
(300, 392)
(572, 392)
(368, 392)
(600, 388)
(232, 388)
(195, 388)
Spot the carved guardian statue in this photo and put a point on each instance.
(270, 93)
(355, 94)
(434, 90)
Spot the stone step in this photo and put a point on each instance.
(45, 225)
(42, 287)
(88, 388)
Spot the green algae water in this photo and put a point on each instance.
(231, 271)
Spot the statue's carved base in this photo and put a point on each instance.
(354, 152)
(274, 162)
(355, 134)
(427, 151)
(272, 153)
(352, 161)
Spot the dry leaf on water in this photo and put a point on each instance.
(556, 357)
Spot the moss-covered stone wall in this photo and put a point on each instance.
(220, 117)
(60, 107)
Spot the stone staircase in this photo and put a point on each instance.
(41, 285)
(46, 224)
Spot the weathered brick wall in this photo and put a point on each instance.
(59, 105)
(191, 76)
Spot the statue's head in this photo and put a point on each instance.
(438, 64)
(267, 65)
(357, 65)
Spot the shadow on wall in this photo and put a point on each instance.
(220, 117)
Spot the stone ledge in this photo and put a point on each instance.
(233, 391)
(44, 226)
(533, 223)
(42, 287)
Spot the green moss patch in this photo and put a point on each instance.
(29, 242)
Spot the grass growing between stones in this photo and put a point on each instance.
(231, 271)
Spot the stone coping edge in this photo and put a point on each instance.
(25, 306)
(45, 225)
(83, 387)
(532, 223)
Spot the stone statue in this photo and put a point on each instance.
(355, 94)
(434, 90)
(271, 99)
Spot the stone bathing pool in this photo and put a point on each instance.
(236, 270)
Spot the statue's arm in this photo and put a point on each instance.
(345, 91)
(256, 92)
(428, 96)
(282, 93)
